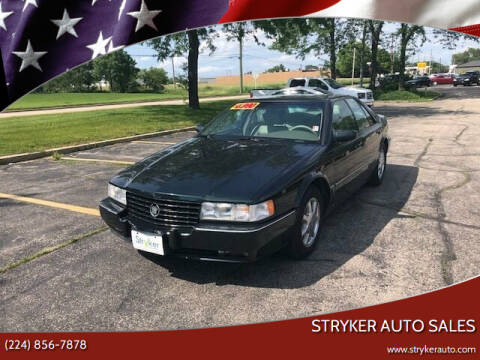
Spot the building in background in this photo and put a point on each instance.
(469, 66)
(269, 78)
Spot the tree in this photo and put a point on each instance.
(302, 37)
(408, 34)
(80, 79)
(154, 79)
(375, 28)
(118, 69)
(345, 59)
(468, 55)
(277, 68)
(178, 44)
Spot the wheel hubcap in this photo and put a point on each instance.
(381, 164)
(310, 222)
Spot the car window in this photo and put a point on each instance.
(282, 120)
(342, 117)
(364, 119)
(316, 83)
(297, 82)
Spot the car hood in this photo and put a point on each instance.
(220, 170)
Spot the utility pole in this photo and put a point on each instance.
(431, 58)
(173, 72)
(392, 54)
(353, 65)
(240, 41)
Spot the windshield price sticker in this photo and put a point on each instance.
(245, 106)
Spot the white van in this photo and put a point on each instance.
(364, 95)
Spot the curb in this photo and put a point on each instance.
(10, 159)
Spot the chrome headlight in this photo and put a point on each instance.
(237, 212)
(117, 194)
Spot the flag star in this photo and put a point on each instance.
(66, 25)
(3, 16)
(99, 48)
(30, 2)
(112, 48)
(30, 57)
(94, 1)
(122, 7)
(145, 17)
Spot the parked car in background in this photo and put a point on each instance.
(333, 87)
(418, 82)
(467, 79)
(441, 79)
(298, 90)
(260, 177)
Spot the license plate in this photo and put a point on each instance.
(148, 242)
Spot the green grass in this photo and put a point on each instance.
(36, 133)
(45, 101)
(406, 96)
(42, 101)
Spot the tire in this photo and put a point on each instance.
(379, 172)
(306, 232)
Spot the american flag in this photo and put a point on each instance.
(40, 39)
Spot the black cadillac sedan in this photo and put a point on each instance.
(260, 177)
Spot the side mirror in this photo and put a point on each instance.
(381, 118)
(199, 128)
(344, 135)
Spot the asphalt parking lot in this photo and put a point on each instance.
(417, 232)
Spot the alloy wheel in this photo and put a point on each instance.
(381, 164)
(310, 222)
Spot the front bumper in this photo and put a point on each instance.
(208, 241)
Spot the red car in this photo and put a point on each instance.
(439, 79)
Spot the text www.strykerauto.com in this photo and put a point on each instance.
(428, 350)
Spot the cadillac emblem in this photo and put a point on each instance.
(154, 210)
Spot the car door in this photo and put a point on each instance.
(370, 131)
(345, 156)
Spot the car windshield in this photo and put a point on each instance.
(333, 83)
(295, 120)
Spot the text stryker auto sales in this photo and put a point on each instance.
(393, 326)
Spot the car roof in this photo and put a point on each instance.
(299, 98)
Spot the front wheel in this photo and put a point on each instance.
(379, 171)
(307, 228)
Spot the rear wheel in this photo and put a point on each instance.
(307, 228)
(379, 171)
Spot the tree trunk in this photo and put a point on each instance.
(362, 54)
(333, 52)
(193, 43)
(374, 65)
(376, 31)
(403, 58)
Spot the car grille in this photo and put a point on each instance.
(171, 212)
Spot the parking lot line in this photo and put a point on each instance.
(99, 160)
(74, 208)
(153, 142)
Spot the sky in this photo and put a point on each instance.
(259, 58)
